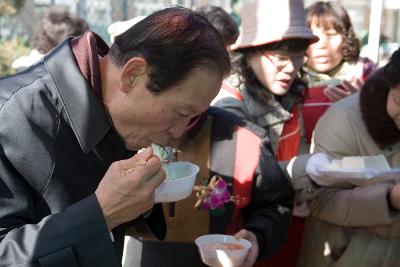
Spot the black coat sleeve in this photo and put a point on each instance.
(40, 226)
(269, 212)
(76, 236)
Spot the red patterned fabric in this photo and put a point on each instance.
(246, 161)
(87, 49)
(314, 107)
(289, 144)
(232, 90)
(289, 141)
(316, 103)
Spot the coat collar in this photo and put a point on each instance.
(265, 115)
(373, 98)
(85, 113)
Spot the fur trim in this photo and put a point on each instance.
(373, 98)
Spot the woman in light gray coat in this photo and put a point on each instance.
(359, 225)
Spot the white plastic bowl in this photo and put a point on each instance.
(222, 258)
(181, 176)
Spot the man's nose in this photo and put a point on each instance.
(179, 127)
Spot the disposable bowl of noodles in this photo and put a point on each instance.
(222, 250)
(181, 176)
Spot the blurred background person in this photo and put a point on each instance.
(358, 224)
(334, 68)
(118, 27)
(57, 25)
(265, 87)
(222, 21)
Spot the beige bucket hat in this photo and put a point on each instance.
(268, 21)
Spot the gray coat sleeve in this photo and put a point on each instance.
(74, 237)
(351, 206)
(269, 212)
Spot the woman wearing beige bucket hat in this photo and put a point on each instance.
(265, 87)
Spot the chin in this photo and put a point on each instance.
(322, 68)
(279, 90)
(162, 142)
(133, 148)
(136, 147)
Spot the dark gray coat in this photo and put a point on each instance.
(56, 143)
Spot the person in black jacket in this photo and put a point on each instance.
(70, 124)
(56, 25)
(240, 153)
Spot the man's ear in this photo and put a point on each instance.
(131, 73)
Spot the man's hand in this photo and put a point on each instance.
(127, 189)
(253, 252)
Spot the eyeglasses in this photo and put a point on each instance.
(281, 61)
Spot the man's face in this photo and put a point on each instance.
(142, 118)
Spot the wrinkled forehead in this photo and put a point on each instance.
(198, 88)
